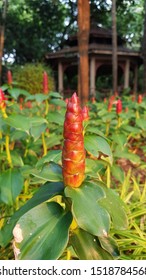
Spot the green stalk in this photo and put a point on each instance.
(44, 144)
(107, 128)
(119, 122)
(8, 151)
(108, 172)
(47, 107)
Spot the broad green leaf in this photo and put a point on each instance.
(95, 130)
(86, 210)
(93, 167)
(53, 140)
(55, 117)
(47, 191)
(50, 172)
(116, 208)
(18, 135)
(87, 246)
(52, 155)
(11, 184)
(126, 155)
(43, 232)
(37, 130)
(16, 159)
(91, 145)
(95, 144)
(141, 123)
(55, 94)
(118, 173)
(120, 139)
(39, 97)
(58, 102)
(19, 122)
(15, 92)
(110, 245)
(131, 129)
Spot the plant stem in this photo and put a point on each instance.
(119, 122)
(68, 255)
(8, 151)
(47, 107)
(44, 144)
(107, 128)
(108, 176)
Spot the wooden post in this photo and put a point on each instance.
(92, 76)
(114, 49)
(135, 79)
(83, 38)
(60, 77)
(126, 73)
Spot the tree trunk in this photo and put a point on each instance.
(83, 40)
(2, 31)
(144, 52)
(114, 49)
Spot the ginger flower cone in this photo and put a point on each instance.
(73, 154)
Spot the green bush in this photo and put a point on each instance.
(30, 77)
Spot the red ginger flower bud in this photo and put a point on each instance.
(139, 98)
(2, 99)
(73, 154)
(85, 113)
(45, 83)
(9, 77)
(119, 106)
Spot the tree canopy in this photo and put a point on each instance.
(35, 27)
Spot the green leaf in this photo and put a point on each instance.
(93, 129)
(53, 140)
(58, 102)
(93, 167)
(118, 173)
(110, 245)
(19, 122)
(116, 208)
(95, 144)
(50, 172)
(55, 117)
(141, 123)
(52, 155)
(87, 246)
(43, 232)
(55, 94)
(126, 155)
(86, 210)
(36, 131)
(15, 92)
(47, 191)
(39, 97)
(11, 184)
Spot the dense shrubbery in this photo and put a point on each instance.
(113, 193)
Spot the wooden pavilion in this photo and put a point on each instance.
(65, 61)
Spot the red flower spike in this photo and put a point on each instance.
(139, 98)
(2, 99)
(9, 78)
(119, 106)
(85, 113)
(45, 83)
(73, 154)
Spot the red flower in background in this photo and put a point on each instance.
(2, 99)
(139, 98)
(9, 78)
(119, 106)
(73, 154)
(45, 83)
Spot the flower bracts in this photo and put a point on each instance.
(73, 154)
